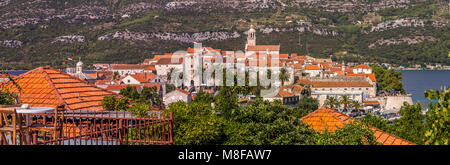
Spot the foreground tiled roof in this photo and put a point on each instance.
(49, 87)
(331, 120)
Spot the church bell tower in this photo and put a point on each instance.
(251, 38)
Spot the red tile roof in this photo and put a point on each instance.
(334, 83)
(283, 56)
(282, 93)
(263, 48)
(150, 67)
(293, 88)
(183, 91)
(49, 87)
(298, 66)
(331, 120)
(168, 61)
(363, 66)
(371, 76)
(312, 67)
(144, 77)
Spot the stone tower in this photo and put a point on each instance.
(79, 68)
(251, 38)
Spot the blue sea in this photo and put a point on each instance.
(418, 81)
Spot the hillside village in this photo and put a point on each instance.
(305, 75)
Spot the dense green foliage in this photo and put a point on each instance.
(306, 105)
(438, 118)
(259, 123)
(388, 79)
(112, 103)
(411, 125)
(137, 103)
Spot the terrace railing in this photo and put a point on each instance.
(82, 127)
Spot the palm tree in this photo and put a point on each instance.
(356, 105)
(169, 74)
(345, 101)
(331, 102)
(284, 76)
(116, 76)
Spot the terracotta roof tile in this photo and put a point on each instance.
(331, 120)
(144, 77)
(264, 48)
(312, 67)
(49, 87)
(282, 93)
(363, 66)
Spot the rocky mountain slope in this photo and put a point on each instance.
(46, 32)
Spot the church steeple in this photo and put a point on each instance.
(79, 67)
(251, 38)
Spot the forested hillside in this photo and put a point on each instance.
(46, 32)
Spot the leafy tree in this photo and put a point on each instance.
(203, 96)
(111, 103)
(388, 80)
(130, 92)
(438, 118)
(355, 133)
(226, 101)
(116, 76)
(378, 122)
(306, 105)
(196, 124)
(411, 124)
(264, 122)
(139, 109)
(170, 88)
(151, 95)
